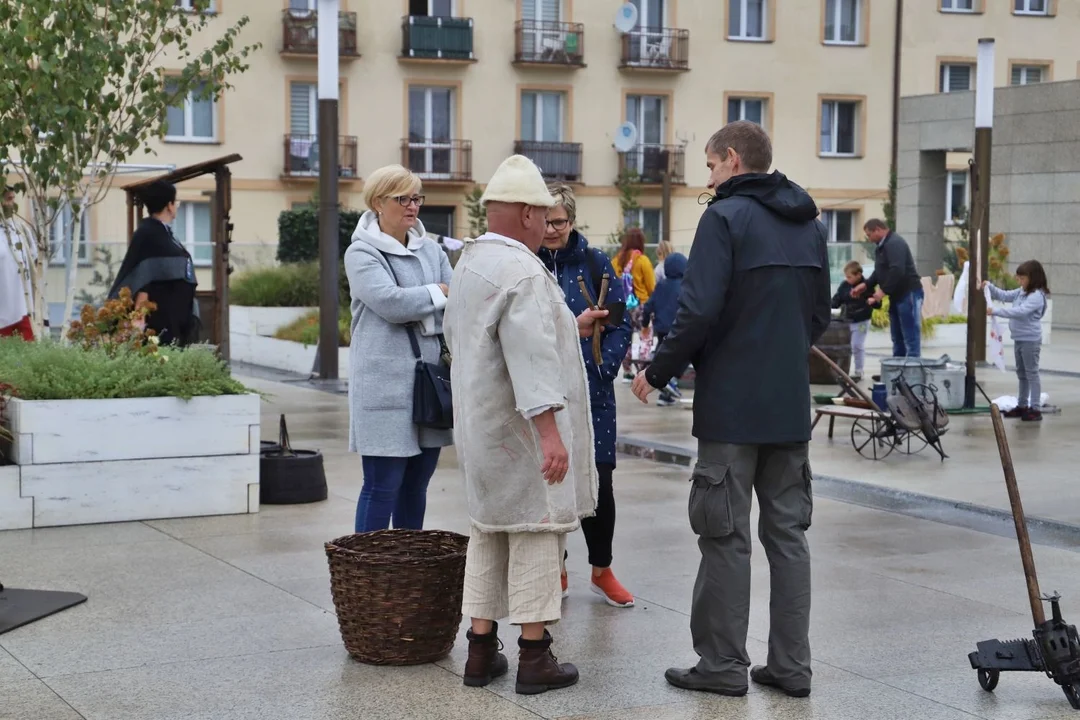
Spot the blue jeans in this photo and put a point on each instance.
(905, 323)
(397, 487)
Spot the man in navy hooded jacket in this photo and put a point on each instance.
(755, 298)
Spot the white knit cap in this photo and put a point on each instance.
(518, 180)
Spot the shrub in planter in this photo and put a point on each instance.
(306, 329)
(298, 233)
(291, 285)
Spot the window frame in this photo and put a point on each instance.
(211, 9)
(636, 218)
(1048, 9)
(859, 141)
(766, 98)
(189, 115)
(428, 144)
(58, 245)
(945, 66)
(861, 13)
(976, 7)
(1045, 68)
(564, 104)
(830, 227)
(188, 208)
(766, 27)
(951, 215)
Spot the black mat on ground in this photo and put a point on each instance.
(22, 607)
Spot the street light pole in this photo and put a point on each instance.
(979, 218)
(328, 189)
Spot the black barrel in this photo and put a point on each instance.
(836, 344)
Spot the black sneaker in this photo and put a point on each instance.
(665, 399)
(1016, 412)
(1031, 415)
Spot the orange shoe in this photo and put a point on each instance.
(612, 590)
(565, 586)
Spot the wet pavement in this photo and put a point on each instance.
(231, 617)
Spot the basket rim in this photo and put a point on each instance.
(338, 547)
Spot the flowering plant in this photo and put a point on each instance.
(119, 323)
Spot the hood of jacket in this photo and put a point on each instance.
(675, 266)
(368, 231)
(572, 254)
(772, 190)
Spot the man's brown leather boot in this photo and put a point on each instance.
(539, 670)
(485, 662)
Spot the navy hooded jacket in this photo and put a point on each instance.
(664, 302)
(567, 264)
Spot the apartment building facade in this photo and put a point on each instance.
(451, 87)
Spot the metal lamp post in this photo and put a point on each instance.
(979, 218)
(328, 189)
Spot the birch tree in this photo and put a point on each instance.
(82, 92)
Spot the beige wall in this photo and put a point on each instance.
(795, 69)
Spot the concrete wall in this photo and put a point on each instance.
(1034, 187)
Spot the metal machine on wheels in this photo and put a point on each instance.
(1054, 648)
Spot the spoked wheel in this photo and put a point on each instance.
(872, 437)
(988, 680)
(909, 443)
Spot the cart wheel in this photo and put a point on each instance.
(988, 680)
(1072, 691)
(909, 443)
(870, 436)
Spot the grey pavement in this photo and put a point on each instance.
(231, 617)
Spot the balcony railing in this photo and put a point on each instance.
(656, 49)
(646, 164)
(438, 160)
(302, 156)
(437, 38)
(300, 33)
(549, 43)
(556, 160)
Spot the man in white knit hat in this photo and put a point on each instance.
(522, 429)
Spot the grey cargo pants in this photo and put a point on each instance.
(720, 500)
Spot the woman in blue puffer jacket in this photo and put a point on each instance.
(567, 254)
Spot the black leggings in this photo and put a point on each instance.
(600, 528)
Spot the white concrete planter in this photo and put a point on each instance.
(98, 461)
(251, 331)
(954, 336)
(263, 321)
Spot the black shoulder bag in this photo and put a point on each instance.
(433, 405)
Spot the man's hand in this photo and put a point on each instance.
(982, 285)
(445, 289)
(876, 299)
(641, 387)
(586, 322)
(858, 290)
(556, 459)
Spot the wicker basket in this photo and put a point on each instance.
(398, 593)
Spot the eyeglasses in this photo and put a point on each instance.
(406, 200)
(558, 224)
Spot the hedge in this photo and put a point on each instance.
(298, 233)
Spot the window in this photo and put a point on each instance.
(647, 113)
(1031, 7)
(958, 5)
(192, 228)
(840, 225)
(431, 112)
(303, 126)
(838, 128)
(60, 240)
(752, 109)
(303, 6)
(438, 220)
(431, 8)
(542, 116)
(956, 202)
(843, 22)
(193, 118)
(1027, 74)
(649, 220)
(189, 5)
(955, 77)
(746, 19)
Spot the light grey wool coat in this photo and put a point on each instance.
(381, 360)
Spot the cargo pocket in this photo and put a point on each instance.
(807, 513)
(710, 501)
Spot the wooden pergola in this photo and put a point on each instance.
(213, 304)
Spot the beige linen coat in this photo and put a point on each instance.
(516, 354)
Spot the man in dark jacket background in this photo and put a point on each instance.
(755, 298)
(895, 275)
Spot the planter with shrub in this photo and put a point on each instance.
(113, 428)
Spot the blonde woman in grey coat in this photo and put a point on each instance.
(397, 277)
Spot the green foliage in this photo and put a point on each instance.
(305, 330)
(47, 370)
(957, 252)
(888, 208)
(476, 212)
(880, 320)
(298, 233)
(292, 285)
(103, 282)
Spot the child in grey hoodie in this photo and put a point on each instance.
(1025, 326)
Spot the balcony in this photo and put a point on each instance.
(657, 49)
(549, 44)
(437, 39)
(646, 164)
(300, 34)
(558, 161)
(302, 157)
(438, 161)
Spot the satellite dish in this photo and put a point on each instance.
(626, 18)
(625, 137)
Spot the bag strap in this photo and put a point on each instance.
(409, 326)
(596, 270)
